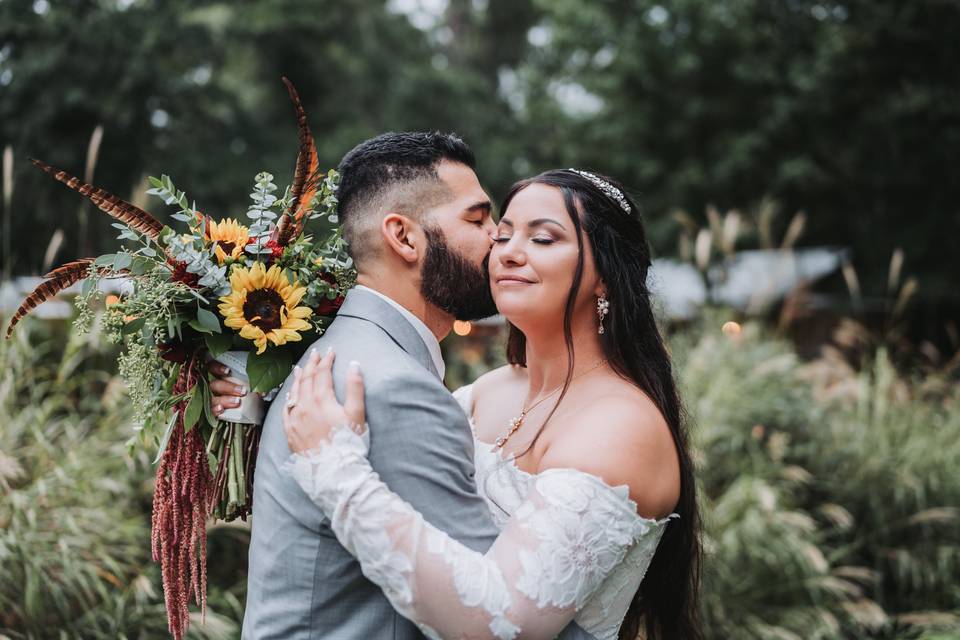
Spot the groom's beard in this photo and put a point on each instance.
(452, 283)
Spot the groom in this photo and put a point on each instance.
(419, 229)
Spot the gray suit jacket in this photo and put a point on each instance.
(302, 585)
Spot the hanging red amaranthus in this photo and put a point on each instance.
(181, 504)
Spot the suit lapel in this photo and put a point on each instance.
(367, 306)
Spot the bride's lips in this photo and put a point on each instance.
(513, 280)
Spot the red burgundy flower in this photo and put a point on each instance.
(174, 351)
(328, 307)
(180, 274)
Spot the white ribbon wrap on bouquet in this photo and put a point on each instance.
(252, 408)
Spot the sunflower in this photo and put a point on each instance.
(263, 306)
(231, 237)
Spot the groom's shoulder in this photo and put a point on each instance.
(383, 361)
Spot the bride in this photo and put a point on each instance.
(580, 449)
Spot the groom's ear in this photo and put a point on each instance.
(401, 236)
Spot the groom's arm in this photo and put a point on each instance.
(422, 447)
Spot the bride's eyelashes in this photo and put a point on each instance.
(504, 239)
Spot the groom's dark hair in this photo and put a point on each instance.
(396, 171)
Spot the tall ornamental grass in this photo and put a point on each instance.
(74, 505)
(830, 495)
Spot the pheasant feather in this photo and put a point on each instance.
(129, 214)
(305, 178)
(56, 281)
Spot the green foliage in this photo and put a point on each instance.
(830, 496)
(75, 507)
(814, 103)
(268, 369)
(845, 110)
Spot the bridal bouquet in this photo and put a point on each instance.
(253, 295)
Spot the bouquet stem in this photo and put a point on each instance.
(235, 446)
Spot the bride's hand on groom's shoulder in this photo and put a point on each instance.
(312, 411)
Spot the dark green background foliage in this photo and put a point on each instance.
(847, 110)
(829, 495)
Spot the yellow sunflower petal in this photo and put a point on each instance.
(251, 332)
(297, 325)
(291, 317)
(294, 297)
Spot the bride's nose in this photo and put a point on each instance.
(511, 253)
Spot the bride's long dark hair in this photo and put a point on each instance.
(666, 604)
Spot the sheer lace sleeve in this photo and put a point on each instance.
(567, 536)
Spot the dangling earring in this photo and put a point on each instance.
(603, 308)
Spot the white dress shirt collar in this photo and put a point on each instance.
(433, 345)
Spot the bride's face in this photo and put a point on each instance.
(534, 258)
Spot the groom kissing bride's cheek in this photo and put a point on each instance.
(553, 497)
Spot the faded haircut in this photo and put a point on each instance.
(395, 172)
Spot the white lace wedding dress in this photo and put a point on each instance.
(571, 547)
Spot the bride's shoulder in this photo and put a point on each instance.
(497, 378)
(622, 438)
(470, 394)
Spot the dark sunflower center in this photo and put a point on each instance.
(262, 309)
(227, 247)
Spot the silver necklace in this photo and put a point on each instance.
(517, 422)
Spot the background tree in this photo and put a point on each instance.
(847, 110)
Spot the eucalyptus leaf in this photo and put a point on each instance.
(268, 369)
(171, 379)
(218, 343)
(139, 266)
(166, 436)
(207, 405)
(122, 261)
(195, 324)
(208, 320)
(194, 408)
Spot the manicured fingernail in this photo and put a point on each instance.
(235, 402)
(242, 390)
(354, 366)
(226, 371)
(328, 351)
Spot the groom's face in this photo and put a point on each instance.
(459, 236)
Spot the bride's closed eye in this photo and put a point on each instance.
(503, 239)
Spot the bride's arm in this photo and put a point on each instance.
(568, 535)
